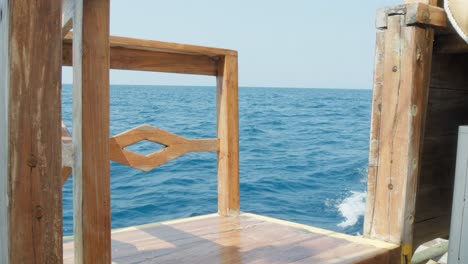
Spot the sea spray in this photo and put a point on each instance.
(352, 208)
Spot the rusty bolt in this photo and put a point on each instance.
(39, 212)
(395, 69)
(390, 186)
(32, 161)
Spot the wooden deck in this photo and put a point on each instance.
(248, 238)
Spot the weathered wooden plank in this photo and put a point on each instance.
(447, 109)
(375, 127)
(420, 14)
(161, 46)
(67, 16)
(426, 15)
(416, 60)
(378, 223)
(170, 47)
(30, 208)
(175, 146)
(154, 61)
(247, 238)
(228, 135)
(408, 53)
(91, 181)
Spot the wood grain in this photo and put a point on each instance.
(447, 110)
(91, 181)
(31, 228)
(408, 56)
(426, 15)
(161, 46)
(247, 238)
(228, 135)
(374, 140)
(420, 14)
(175, 146)
(154, 61)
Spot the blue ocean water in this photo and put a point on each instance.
(303, 155)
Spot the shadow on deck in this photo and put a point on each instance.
(247, 238)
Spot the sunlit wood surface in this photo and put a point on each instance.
(247, 238)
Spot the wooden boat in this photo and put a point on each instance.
(419, 100)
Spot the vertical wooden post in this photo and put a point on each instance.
(91, 170)
(394, 167)
(228, 134)
(30, 147)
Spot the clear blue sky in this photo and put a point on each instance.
(296, 43)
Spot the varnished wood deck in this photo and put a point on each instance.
(248, 238)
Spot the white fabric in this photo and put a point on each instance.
(457, 12)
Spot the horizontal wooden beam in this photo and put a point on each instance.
(175, 146)
(161, 46)
(169, 47)
(154, 61)
(415, 14)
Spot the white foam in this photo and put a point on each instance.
(351, 208)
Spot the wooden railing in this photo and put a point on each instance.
(93, 150)
(32, 53)
(174, 147)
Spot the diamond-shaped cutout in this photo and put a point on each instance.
(141, 147)
(145, 147)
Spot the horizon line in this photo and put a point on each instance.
(240, 86)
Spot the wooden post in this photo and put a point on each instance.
(228, 134)
(30, 148)
(91, 170)
(395, 162)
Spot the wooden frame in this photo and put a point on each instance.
(30, 206)
(157, 56)
(228, 134)
(401, 84)
(91, 168)
(175, 146)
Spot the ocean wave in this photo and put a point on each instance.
(352, 208)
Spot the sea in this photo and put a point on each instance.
(303, 155)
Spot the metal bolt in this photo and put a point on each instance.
(395, 68)
(32, 161)
(390, 186)
(39, 212)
